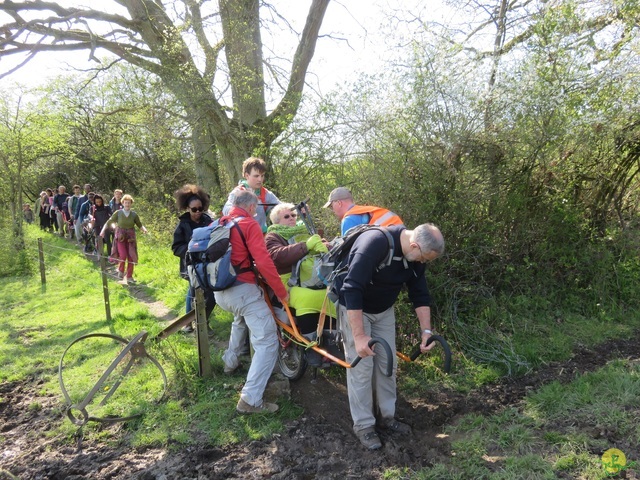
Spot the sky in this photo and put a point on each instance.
(352, 40)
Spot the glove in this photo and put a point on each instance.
(312, 242)
(320, 248)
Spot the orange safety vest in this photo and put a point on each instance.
(378, 215)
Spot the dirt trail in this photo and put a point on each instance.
(318, 445)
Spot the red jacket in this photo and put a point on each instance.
(255, 241)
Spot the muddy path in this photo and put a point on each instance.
(318, 445)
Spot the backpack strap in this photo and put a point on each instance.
(250, 268)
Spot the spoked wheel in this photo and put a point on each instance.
(291, 360)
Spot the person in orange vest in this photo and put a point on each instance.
(341, 202)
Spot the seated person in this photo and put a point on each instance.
(287, 243)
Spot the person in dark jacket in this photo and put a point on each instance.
(101, 213)
(195, 201)
(366, 299)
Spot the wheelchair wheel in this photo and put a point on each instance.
(291, 361)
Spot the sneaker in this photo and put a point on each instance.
(131, 280)
(265, 407)
(369, 438)
(395, 426)
(230, 370)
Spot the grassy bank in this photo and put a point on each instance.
(555, 432)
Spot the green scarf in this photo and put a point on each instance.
(245, 184)
(286, 231)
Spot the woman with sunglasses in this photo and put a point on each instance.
(287, 243)
(194, 201)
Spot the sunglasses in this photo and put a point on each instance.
(286, 216)
(197, 209)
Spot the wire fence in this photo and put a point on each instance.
(50, 254)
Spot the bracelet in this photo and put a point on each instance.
(426, 330)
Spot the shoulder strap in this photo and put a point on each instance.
(234, 223)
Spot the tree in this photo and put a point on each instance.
(27, 138)
(180, 41)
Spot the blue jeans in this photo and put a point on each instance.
(210, 300)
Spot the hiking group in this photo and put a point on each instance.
(93, 222)
(226, 256)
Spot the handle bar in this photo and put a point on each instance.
(445, 347)
(387, 349)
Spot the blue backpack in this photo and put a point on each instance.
(208, 257)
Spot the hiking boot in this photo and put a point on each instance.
(369, 438)
(265, 407)
(395, 426)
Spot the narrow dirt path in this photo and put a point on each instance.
(319, 444)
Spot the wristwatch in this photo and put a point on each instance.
(426, 330)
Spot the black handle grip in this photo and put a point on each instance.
(387, 349)
(445, 347)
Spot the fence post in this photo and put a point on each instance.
(43, 277)
(99, 245)
(202, 335)
(105, 287)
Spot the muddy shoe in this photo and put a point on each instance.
(395, 426)
(369, 438)
(265, 407)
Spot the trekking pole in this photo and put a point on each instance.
(303, 211)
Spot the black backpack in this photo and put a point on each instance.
(333, 265)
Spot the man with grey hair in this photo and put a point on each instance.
(245, 300)
(366, 298)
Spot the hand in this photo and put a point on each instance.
(423, 343)
(314, 242)
(362, 346)
(284, 300)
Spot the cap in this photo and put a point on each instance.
(340, 193)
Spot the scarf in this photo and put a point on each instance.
(286, 231)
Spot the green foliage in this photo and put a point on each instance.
(555, 433)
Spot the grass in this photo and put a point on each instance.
(37, 324)
(559, 429)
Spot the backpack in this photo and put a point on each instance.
(208, 257)
(333, 265)
(305, 273)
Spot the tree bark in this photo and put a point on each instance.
(152, 39)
